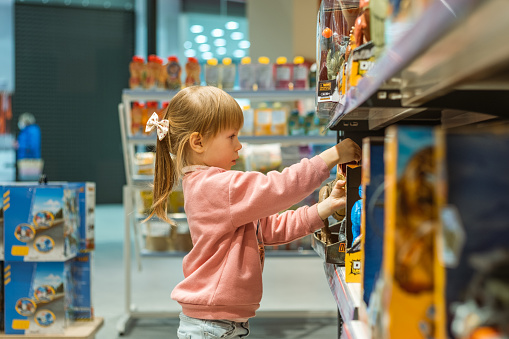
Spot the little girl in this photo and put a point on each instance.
(232, 215)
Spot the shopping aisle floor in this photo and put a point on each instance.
(290, 284)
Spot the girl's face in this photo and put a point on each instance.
(222, 150)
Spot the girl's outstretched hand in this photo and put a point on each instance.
(335, 201)
(348, 151)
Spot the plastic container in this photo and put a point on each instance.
(136, 118)
(136, 70)
(262, 120)
(161, 112)
(295, 123)
(160, 73)
(150, 107)
(228, 74)
(264, 74)
(282, 73)
(279, 119)
(247, 75)
(152, 71)
(248, 127)
(192, 72)
(212, 73)
(174, 73)
(300, 73)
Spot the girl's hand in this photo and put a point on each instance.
(348, 151)
(335, 201)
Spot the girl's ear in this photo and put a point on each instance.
(196, 142)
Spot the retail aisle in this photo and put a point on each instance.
(291, 284)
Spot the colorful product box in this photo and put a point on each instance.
(409, 259)
(81, 287)
(471, 298)
(86, 200)
(4, 202)
(37, 297)
(40, 222)
(372, 223)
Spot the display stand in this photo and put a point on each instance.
(135, 182)
(78, 330)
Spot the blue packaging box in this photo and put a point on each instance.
(86, 201)
(81, 288)
(37, 297)
(40, 222)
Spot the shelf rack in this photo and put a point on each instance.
(448, 61)
(136, 182)
(78, 330)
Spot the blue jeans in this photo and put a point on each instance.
(192, 328)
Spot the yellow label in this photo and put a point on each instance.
(6, 200)
(18, 324)
(6, 281)
(19, 250)
(7, 268)
(341, 247)
(7, 274)
(326, 86)
(6, 207)
(6, 193)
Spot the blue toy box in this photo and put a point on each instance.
(40, 222)
(37, 297)
(86, 201)
(81, 287)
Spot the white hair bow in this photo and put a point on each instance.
(162, 126)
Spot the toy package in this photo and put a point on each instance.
(472, 300)
(37, 297)
(409, 257)
(86, 208)
(372, 222)
(81, 289)
(335, 20)
(40, 222)
(4, 203)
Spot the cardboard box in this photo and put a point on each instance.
(474, 233)
(86, 200)
(81, 267)
(409, 257)
(40, 222)
(353, 266)
(372, 223)
(37, 296)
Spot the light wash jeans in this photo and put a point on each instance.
(192, 328)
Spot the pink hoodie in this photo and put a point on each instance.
(223, 272)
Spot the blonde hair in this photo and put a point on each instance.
(203, 109)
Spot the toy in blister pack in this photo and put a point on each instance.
(335, 19)
(409, 260)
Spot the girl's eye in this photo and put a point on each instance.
(232, 136)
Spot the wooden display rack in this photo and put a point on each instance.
(78, 330)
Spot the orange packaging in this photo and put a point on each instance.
(136, 70)
(136, 117)
(262, 120)
(151, 107)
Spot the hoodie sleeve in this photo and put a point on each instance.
(254, 196)
(283, 228)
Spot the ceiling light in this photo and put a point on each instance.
(221, 51)
(188, 44)
(196, 28)
(204, 48)
(238, 53)
(220, 42)
(237, 36)
(201, 39)
(216, 33)
(244, 44)
(232, 25)
(207, 56)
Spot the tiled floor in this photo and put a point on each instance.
(292, 286)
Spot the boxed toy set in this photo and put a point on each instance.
(86, 208)
(40, 223)
(409, 258)
(81, 289)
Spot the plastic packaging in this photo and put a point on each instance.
(192, 72)
(150, 107)
(212, 73)
(160, 73)
(136, 70)
(152, 71)
(247, 78)
(174, 72)
(262, 120)
(334, 21)
(248, 127)
(136, 118)
(228, 74)
(283, 73)
(295, 124)
(300, 73)
(264, 74)
(279, 119)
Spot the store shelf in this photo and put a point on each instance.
(450, 48)
(355, 330)
(78, 330)
(174, 216)
(262, 139)
(265, 95)
(347, 295)
(268, 253)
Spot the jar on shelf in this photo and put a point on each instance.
(136, 117)
(247, 75)
(174, 73)
(228, 74)
(193, 70)
(212, 72)
(264, 74)
(283, 73)
(136, 70)
(300, 73)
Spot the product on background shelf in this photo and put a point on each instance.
(162, 110)
(152, 72)
(247, 74)
(300, 73)
(192, 72)
(282, 73)
(279, 119)
(411, 219)
(145, 162)
(174, 73)
(248, 127)
(363, 58)
(146, 111)
(334, 21)
(372, 219)
(86, 207)
(212, 73)
(296, 124)
(264, 74)
(227, 74)
(473, 237)
(312, 76)
(81, 280)
(262, 120)
(136, 118)
(137, 72)
(310, 128)
(160, 73)
(264, 158)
